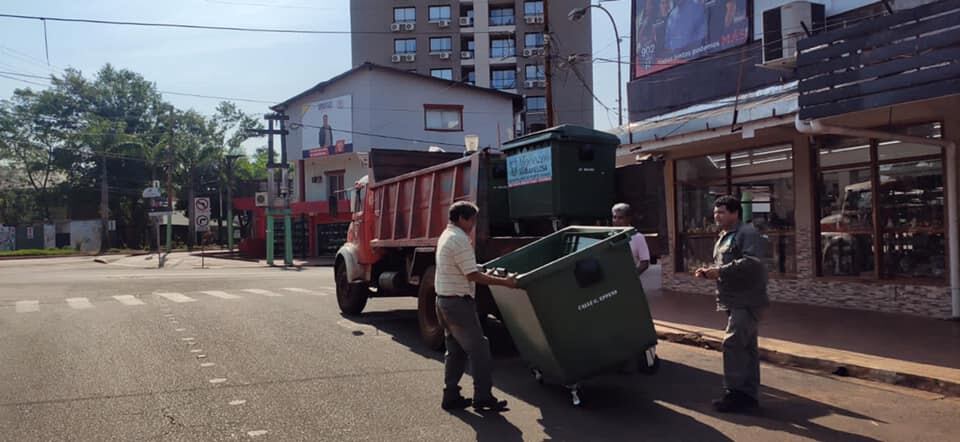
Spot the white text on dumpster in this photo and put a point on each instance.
(597, 300)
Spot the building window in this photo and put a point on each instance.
(446, 74)
(881, 208)
(441, 44)
(445, 118)
(335, 185)
(502, 17)
(533, 40)
(503, 79)
(438, 13)
(470, 78)
(536, 104)
(535, 72)
(404, 15)
(532, 8)
(503, 48)
(405, 46)
(762, 179)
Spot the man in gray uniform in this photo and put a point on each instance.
(742, 293)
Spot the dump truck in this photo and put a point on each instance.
(401, 208)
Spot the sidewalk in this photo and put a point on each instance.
(897, 349)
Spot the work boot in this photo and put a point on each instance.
(489, 404)
(453, 400)
(735, 402)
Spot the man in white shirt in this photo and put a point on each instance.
(456, 274)
(623, 217)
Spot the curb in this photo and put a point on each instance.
(824, 365)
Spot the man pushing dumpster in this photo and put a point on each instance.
(742, 293)
(456, 275)
(622, 214)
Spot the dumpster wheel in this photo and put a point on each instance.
(537, 375)
(575, 395)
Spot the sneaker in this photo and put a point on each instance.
(490, 404)
(455, 403)
(735, 402)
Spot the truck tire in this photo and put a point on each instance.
(430, 330)
(351, 298)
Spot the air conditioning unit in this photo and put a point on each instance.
(530, 19)
(540, 83)
(443, 23)
(409, 58)
(532, 52)
(261, 199)
(466, 55)
(528, 84)
(395, 27)
(444, 55)
(783, 26)
(538, 19)
(466, 21)
(396, 58)
(409, 26)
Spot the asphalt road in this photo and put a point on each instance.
(112, 352)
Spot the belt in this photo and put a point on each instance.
(467, 297)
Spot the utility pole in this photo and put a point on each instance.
(170, 184)
(230, 164)
(104, 205)
(285, 193)
(548, 62)
(272, 186)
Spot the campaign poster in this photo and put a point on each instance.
(328, 127)
(671, 32)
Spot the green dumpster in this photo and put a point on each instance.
(565, 172)
(579, 310)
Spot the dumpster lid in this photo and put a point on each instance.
(565, 132)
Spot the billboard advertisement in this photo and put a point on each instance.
(671, 32)
(328, 127)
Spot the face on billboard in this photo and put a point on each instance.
(327, 127)
(670, 32)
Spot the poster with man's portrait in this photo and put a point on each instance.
(328, 127)
(670, 32)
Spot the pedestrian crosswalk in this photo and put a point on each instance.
(159, 298)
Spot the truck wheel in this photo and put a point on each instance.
(430, 330)
(351, 298)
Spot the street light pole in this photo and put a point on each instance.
(576, 15)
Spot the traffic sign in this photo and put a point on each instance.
(203, 223)
(151, 192)
(202, 204)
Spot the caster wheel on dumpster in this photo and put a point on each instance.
(537, 375)
(649, 362)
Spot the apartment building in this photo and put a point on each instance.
(498, 44)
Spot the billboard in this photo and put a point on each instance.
(327, 127)
(671, 32)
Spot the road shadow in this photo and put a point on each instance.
(620, 407)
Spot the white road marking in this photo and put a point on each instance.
(28, 306)
(238, 402)
(79, 303)
(176, 297)
(207, 364)
(256, 433)
(221, 295)
(129, 300)
(262, 292)
(180, 329)
(196, 350)
(201, 356)
(306, 292)
(218, 380)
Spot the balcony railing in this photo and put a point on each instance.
(906, 56)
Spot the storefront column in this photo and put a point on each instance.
(669, 184)
(951, 131)
(804, 188)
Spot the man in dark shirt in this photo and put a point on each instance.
(742, 293)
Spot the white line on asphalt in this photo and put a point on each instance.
(217, 380)
(305, 291)
(238, 402)
(180, 329)
(176, 297)
(79, 303)
(128, 300)
(261, 292)
(256, 433)
(207, 364)
(221, 295)
(28, 306)
(196, 350)
(186, 339)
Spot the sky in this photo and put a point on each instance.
(259, 66)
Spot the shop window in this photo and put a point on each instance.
(884, 219)
(763, 181)
(335, 186)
